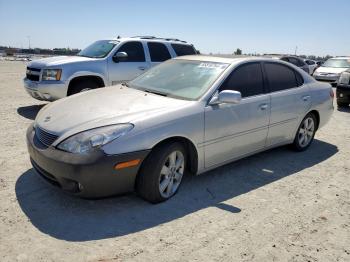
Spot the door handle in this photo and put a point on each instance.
(263, 106)
(142, 68)
(306, 98)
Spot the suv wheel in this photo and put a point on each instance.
(306, 132)
(161, 173)
(82, 86)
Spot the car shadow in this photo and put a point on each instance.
(29, 112)
(344, 109)
(73, 219)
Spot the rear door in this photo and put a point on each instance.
(290, 100)
(181, 49)
(158, 52)
(233, 130)
(134, 65)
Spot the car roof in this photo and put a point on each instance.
(220, 59)
(341, 57)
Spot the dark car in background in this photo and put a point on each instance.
(299, 62)
(343, 89)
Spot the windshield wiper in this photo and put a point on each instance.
(125, 84)
(155, 92)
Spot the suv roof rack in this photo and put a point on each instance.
(144, 36)
(160, 38)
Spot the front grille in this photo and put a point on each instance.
(33, 77)
(33, 74)
(45, 137)
(326, 80)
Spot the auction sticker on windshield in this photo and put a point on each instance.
(213, 65)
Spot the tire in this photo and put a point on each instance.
(304, 136)
(342, 104)
(158, 179)
(82, 86)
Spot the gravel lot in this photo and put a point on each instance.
(276, 206)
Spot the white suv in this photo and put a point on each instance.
(104, 63)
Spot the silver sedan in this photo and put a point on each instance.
(187, 115)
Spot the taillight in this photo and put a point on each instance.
(331, 93)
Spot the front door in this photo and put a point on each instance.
(234, 130)
(134, 65)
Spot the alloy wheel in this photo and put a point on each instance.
(171, 174)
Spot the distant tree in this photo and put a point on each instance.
(237, 52)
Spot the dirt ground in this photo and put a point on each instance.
(275, 206)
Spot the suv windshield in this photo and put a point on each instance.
(345, 63)
(182, 79)
(98, 49)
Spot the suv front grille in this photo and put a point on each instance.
(33, 73)
(45, 137)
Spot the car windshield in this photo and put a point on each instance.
(98, 49)
(184, 79)
(340, 63)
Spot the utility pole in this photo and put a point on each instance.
(28, 41)
(296, 49)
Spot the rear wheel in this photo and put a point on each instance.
(161, 173)
(82, 86)
(306, 132)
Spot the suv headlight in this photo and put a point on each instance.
(89, 140)
(52, 74)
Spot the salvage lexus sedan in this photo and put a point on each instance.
(187, 115)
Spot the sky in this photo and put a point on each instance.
(217, 26)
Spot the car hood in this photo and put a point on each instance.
(101, 107)
(58, 60)
(332, 70)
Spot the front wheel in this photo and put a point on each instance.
(82, 86)
(306, 132)
(161, 173)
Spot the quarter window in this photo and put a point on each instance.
(246, 79)
(134, 50)
(281, 77)
(183, 49)
(158, 51)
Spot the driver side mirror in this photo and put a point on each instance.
(120, 57)
(226, 96)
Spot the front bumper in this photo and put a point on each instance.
(45, 90)
(88, 176)
(343, 93)
(333, 80)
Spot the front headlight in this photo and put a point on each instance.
(87, 141)
(52, 74)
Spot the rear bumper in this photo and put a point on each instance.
(45, 90)
(90, 176)
(343, 93)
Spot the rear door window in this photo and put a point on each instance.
(158, 52)
(281, 77)
(247, 79)
(134, 50)
(183, 49)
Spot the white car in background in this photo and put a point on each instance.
(312, 65)
(103, 63)
(331, 70)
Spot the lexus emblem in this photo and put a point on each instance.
(47, 119)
